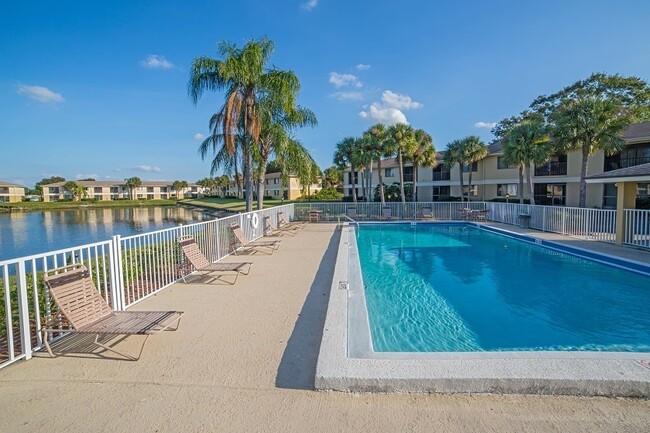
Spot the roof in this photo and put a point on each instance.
(637, 132)
(495, 148)
(3, 183)
(641, 171)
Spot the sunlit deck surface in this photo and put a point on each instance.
(244, 359)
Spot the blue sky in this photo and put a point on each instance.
(99, 88)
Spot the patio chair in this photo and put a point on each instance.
(426, 213)
(465, 214)
(239, 242)
(480, 215)
(293, 225)
(86, 312)
(203, 266)
(386, 213)
(271, 230)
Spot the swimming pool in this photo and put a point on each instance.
(459, 288)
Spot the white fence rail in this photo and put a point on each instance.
(637, 228)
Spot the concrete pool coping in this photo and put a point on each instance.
(560, 373)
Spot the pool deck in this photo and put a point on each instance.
(244, 360)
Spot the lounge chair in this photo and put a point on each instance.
(294, 225)
(271, 230)
(426, 213)
(480, 215)
(86, 312)
(202, 265)
(239, 242)
(386, 213)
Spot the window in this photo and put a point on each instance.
(408, 174)
(474, 192)
(628, 157)
(441, 192)
(163, 196)
(275, 181)
(97, 197)
(502, 164)
(555, 167)
(389, 172)
(149, 196)
(276, 192)
(441, 172)
(97, 190)
(553, 194)
(507, 188)
(114, 190)
(150, 189)
(267, 181)
(474, 167)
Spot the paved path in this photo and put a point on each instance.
(243, 360)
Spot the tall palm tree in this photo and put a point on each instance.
(132, 183)
(422, 155)
(78, 192)
(527, 144)
(364, 155)
(244, 74)
(344, 156)
(474, 150)
(454, 155)
(588, 124)
(377, 139)
(403, 140)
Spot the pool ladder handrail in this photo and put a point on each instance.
(348, 218)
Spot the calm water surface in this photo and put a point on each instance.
(26, 233)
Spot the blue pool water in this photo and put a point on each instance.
(454, 287)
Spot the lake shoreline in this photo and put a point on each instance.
(67, 205)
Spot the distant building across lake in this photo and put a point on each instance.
(116, 190)
(11, 192)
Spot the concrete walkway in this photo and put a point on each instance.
(243, 360)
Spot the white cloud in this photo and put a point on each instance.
(40, 94)
(395, 100)
(199, 136)
(87, 176)
(489, 125)
(347, 96)
(309, 5)
(340, 80)
(154, 61)
(389, 110)
(362, 67)
(147, 168)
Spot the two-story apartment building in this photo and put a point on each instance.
(273, 187)
(116, 190)
(555, 183)
(11, 192)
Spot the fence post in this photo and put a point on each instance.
(543, 218)
(563, 220)
(115, 269)
(23, 309)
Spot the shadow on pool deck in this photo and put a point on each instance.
(297, 369)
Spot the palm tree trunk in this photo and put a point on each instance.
(248, 178)
(415, 182)
(370, 194)
(354, 185)
(381, 183)
(261, 186)
(531, 190)
(583, 174)
(401, 175)
(469, 184)
(462, 181)
(364, 178)
(521, 184)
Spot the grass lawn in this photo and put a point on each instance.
(230, 204)
(40, 205)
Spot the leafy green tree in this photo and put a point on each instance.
(454, 155)
(178, 186)
(588, 125)
(132, 183)
(75, 189)
(344, 156)
(402, 139)
(332, 177)
(223, 182)
(474, 150)
(422, 155)
(38, 187)
(365, 155)
(207, 183)
(250, 85)
(382, 147)
(526, 144)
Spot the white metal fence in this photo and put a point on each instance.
(128, 269)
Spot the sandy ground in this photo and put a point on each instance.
(243, 360)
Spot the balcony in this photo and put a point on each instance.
(551, 169)
(616, 163)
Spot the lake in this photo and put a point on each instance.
(26, 233)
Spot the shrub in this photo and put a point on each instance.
(511, 200)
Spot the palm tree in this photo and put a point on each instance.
(454, 155)
(75, 189)
(344, 156)
(132, 183)
(526, 144)
(243, 73)
(179, 185)
(377, 139)
(223, 182)
(403, 140)
(474, 150)
(332, 177)
(364, 156)
(422, 155)
(588, 124)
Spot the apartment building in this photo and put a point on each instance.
(116, 190)
(273, 187)
(555, 183)
(11, 192)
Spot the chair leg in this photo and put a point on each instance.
(47, 344)
(128, 357)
